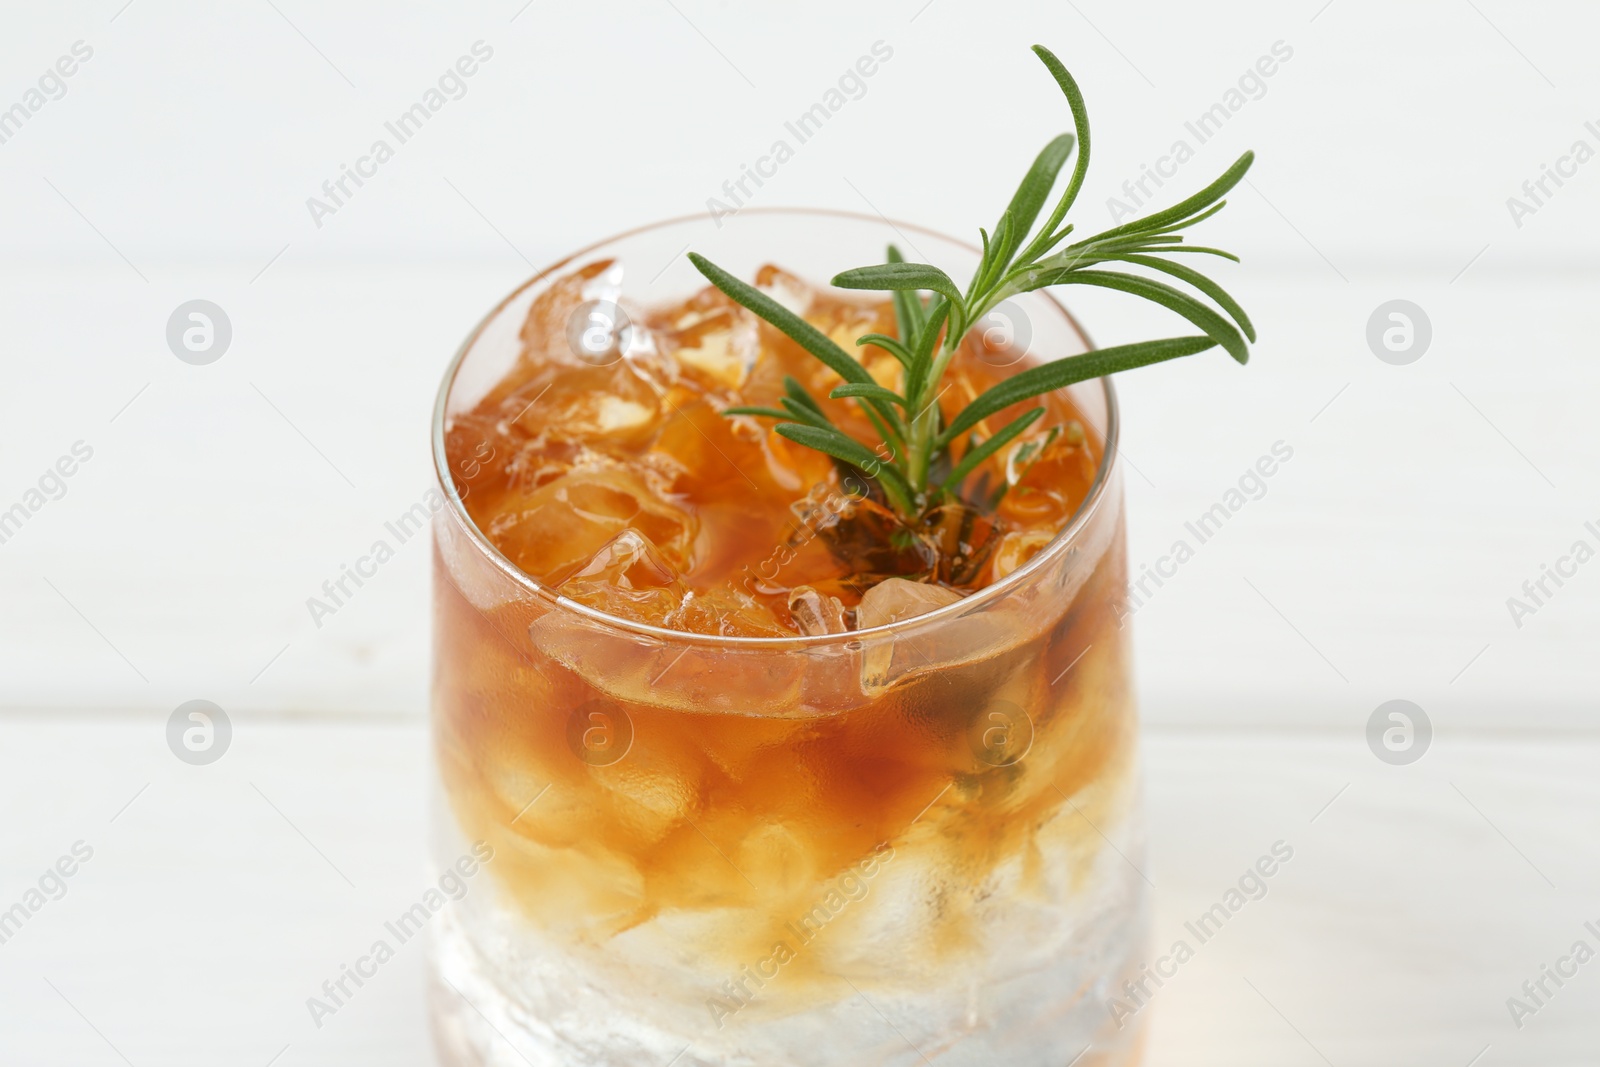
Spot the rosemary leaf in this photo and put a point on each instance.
(862, 389)
(799, 330)
(977, 455)
(900, 277)
(760, 412)
(1017, 257)
(858, 455)
(889, 344)
(1060, 373)
(1188, 274)
(1216, 327)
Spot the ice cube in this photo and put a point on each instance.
(629, 561)
(538, 465)
(896, 599)
(649, 802)
(483, 450)
(1052, 485)
(724, 355)
(1017, 548)
(715, 340)
(989, 634)
(732, 613)
(559, 528)
(816, 613)
(704, 447)
(545, 330)
(844, 321)
(614, 405)
(629, 577)
(787, 289)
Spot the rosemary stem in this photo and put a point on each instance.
(910, 422)
(925, 427)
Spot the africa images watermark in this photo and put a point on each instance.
(1537, 592)
(51, 485)
(1251, 85)
(822, 510)
(51, 86)
(405, 526)
(1538, 190)
(52, 886)
(452, 886)
(846, 889)
(852, 85)
(1251, 886)
(451, 85)
(1536, 991)
(1252, 485)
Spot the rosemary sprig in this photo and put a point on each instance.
(915, 442)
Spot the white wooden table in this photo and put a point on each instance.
(219, 898)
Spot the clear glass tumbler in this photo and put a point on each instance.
(888, 846)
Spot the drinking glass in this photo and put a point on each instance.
(886, 846)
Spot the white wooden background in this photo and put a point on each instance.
(1378, 564)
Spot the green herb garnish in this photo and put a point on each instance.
(916, 443)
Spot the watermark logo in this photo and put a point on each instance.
(338, 191)
(198, 732)
(1251, 485)
(341, 589)
(1399, 732)
(1537, 192)
(51, 86)
(599, 332)
(1004, 335)
(1537, 592)
(52, 485)
(851, 85)
(49, 886)
(450, 887)
(850, 887)
(1253, 885)
(199, 332)
(1537, 992)
(599, 732)
(1252, 84)
(1002, 735)
(1399, 332)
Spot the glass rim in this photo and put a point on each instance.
(1056, 547)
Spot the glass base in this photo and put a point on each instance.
(557, 1017)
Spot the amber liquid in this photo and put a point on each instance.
(702, 810)
(562, 456)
